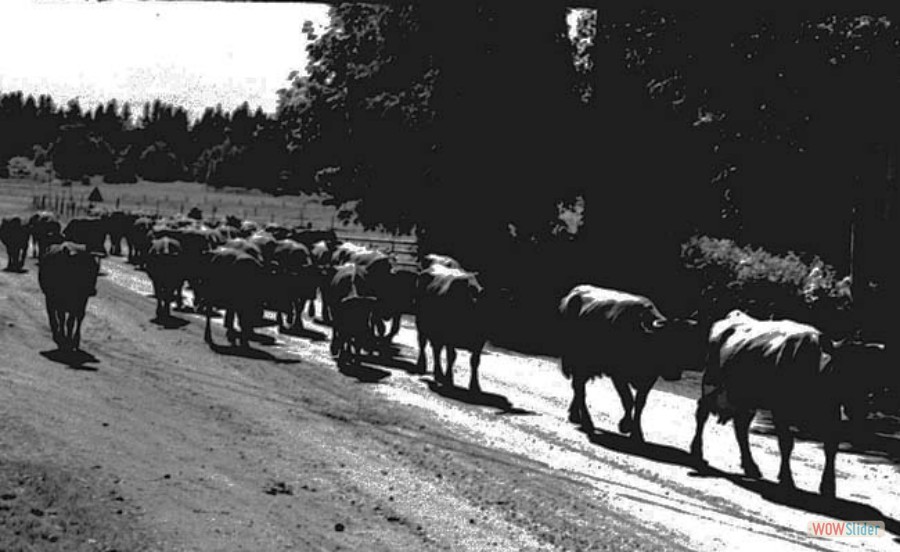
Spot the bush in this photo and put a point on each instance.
(19, 167)
(765, 285)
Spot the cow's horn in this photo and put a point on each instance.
(658, 324)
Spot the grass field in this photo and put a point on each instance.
(18, 196)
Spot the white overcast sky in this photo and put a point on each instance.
(194, 54)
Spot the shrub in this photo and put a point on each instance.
(765, 285)
(19, 167)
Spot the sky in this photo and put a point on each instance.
(193, 54)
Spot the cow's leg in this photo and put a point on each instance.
(70, 317)
(79, 318)
(830, 442)
(474, 363)
(786, 447)
(742, 433)
(827, 486)
(395, 326)
(60, 316)
(335, 341)
(312, 307)
(230, 333)
(247, 319)
(51, 317)
(422, 362)
(578, 412)
(168, 298)
(380, 330)
(640, 400)
(436, 351)
(326, 311)
(626, 424)
(179, 295)
(701, 416)
(451, 360)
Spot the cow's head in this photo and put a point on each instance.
(681, 343)
(861, 371)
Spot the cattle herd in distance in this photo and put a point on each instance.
(243, 269)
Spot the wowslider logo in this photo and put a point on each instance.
(846, 528)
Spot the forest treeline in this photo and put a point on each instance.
(161, 143)
(484, 125)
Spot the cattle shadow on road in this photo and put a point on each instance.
(170, 322)
(77, 360)
(478, 398)
(304, 333)
(250, 353)
(389, 355)
(814, 503)
(22, 270)
(362, 372)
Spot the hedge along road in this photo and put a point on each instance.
(212, 450)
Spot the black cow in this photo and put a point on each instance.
(88, 231)
(295, 282)
(117, 224)
(351, 313)
(450, 313)
(321, 253)
(165, 266)
(45, 231)
(14, 235)
(397, 298)
(138, 239)
(68, 277)
(783, 366)
(625, 337)
(233, 281)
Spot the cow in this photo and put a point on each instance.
(450, 313)
(165, 266)
(233, 281)
(88, 231)
(321, 253)
(397, 298)
(68, 278)
(351, 313)
(445, 260)
(14, 235)
(623, 336)
(196, 243)
(295, 282)
(786, 367)
(45, 231)
(138, 239)
(117, 226)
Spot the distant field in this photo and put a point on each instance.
(19, 196)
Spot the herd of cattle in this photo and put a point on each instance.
(788, 368)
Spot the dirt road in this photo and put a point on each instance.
(157, 442)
